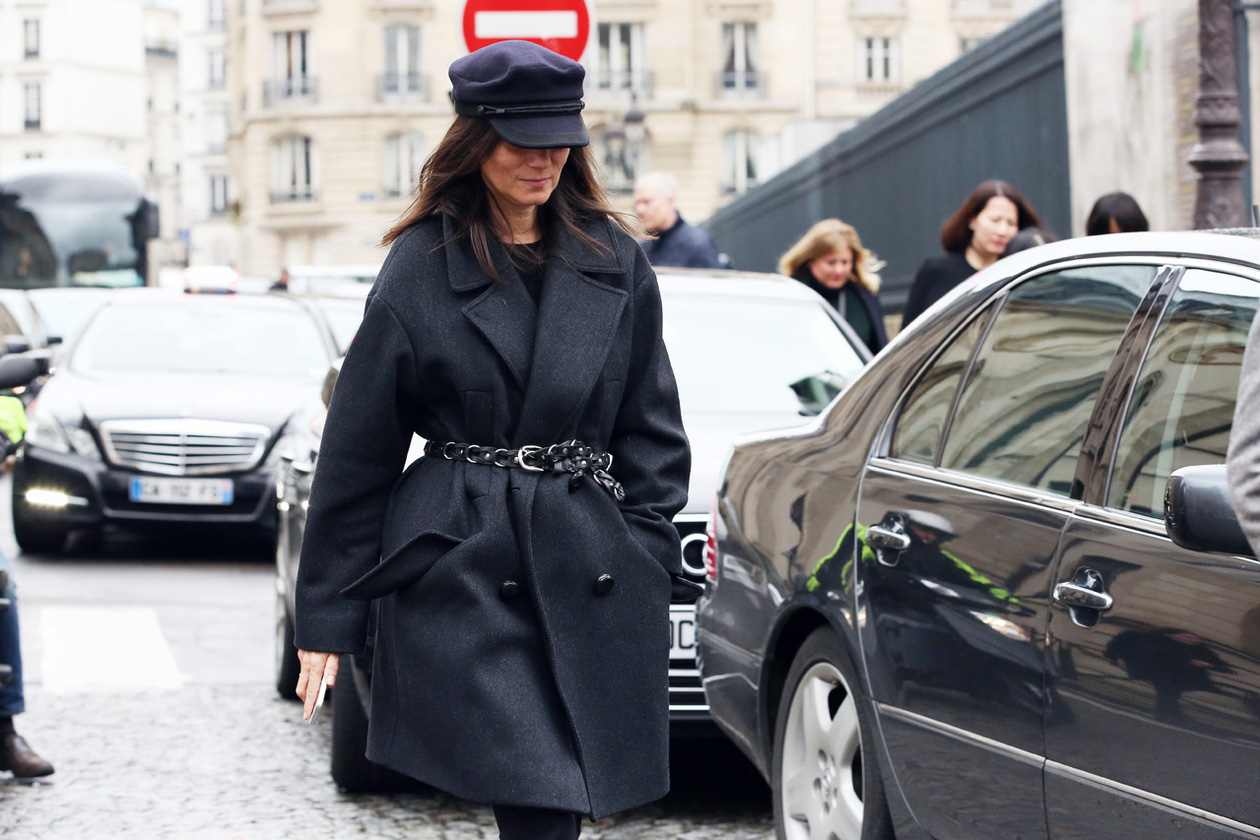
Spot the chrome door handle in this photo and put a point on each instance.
(881, 537)
(1080, 596)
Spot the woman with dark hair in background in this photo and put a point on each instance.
(1115, 212)
(974, 238)
(522, 570)
(825, 259)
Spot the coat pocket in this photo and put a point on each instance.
(403, 567)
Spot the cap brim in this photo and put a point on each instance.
(553, 131)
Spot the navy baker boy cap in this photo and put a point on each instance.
(531, 96)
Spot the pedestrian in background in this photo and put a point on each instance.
(677, 243)
(524, 567)
(1115, 212)
(1243, 458)
(282, 282)
(1029, 237)
(974, 238)
(830, 259)
(16, 755)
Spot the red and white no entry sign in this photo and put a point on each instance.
(560, 25)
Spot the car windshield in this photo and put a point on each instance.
(756, 355)
(202, 338)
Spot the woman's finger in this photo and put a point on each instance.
(331, 666)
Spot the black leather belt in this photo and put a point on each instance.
(573, 457)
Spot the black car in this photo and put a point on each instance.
(167, 410)
(750, 351)
(951, 607)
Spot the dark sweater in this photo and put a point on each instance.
(859, 307)
(935, 277)
(684, 246)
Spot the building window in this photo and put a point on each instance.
(739, 160)
(615, 159)
(218, 195)
(216, 77)
(291, 76)
(402, 61)
(30, 37)
(216, 130)
(216, 14)
(622, 58)
(969, 44)
(293, 170)
(404, 155)
(879, 59)
(33, 109)
(741, 61)
(34, 155)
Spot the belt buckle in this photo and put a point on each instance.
(528, 450)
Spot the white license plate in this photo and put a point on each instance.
(683, 632)
(181, 491)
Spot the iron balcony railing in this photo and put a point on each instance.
(296, 89)
(391, 86)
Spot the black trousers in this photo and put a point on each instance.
(520, 823)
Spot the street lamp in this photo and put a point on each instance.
(1218, 157)
(635, 136)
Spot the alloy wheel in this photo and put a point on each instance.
(821, 773)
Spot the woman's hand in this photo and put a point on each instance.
(315, 666)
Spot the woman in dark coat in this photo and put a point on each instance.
(523, 581)
(830, 259)
(975, 237)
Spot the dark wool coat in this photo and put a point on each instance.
(553, 695)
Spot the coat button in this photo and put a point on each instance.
(603, 584)
(509, 589)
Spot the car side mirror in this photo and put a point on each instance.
(16, 344)
(16, 371)
(1198, 513)
(54, 340)
(330, 381)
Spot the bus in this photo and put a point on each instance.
(73, 223)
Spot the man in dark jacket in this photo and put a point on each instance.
(677, 243)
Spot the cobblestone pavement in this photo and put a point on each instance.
(236, 763)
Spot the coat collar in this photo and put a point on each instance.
(554, 352)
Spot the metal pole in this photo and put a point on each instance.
(1242, 30)
(1218, 156)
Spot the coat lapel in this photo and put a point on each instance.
(504, 313)
(577, 322)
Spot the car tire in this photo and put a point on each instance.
(34, 537)
(825, 777)
(351, 769)
(288, 666)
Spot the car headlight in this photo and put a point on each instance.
(45, 431)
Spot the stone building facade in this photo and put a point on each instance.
(333, 104)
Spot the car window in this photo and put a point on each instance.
(1182, 407)
(921, 424)
(1025, 407)
(739, 355)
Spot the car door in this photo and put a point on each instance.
(1153, 728)
(959, 518)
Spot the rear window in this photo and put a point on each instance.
(756, 355)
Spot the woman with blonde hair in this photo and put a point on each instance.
(825, 259)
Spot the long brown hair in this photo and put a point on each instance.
(822, 239)
(451, 183)
(956, 232)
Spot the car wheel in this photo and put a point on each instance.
(288, 666)
(351, 769)
(34, 537)
(826, 782)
